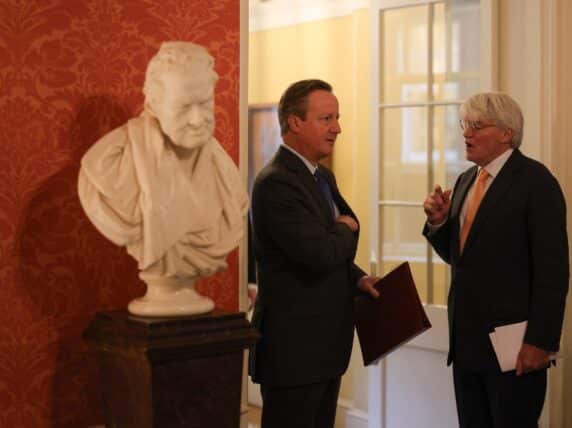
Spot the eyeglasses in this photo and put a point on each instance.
(474, 125)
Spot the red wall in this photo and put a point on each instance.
(71, 70)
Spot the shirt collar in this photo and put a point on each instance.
(494, 166)
(308, 164)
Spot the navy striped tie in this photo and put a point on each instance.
(325, 188)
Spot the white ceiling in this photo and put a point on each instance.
(267, 14)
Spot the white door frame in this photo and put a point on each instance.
(435, 339)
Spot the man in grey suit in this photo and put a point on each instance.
(305, 239)
(504, 234)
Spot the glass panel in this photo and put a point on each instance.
(402, 241)
(403, 168)
(449, 161)
(404, 55)
(456, 49)
(449, 147)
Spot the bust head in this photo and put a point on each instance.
(179, 91)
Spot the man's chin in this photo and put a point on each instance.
(193, 143)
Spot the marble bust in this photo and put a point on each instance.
(163, 187)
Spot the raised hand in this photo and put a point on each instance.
(437, 205)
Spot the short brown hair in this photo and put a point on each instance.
(295, 100)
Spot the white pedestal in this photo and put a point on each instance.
(167, 297)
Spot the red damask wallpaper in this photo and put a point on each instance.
(70, 71)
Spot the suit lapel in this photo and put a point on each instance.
(459, 197)
(305, 177)
(500, 185)
(462, 190)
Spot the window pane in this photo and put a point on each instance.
(449, 161)
(449, 147)
(403, 165)
(403, 241)
(404, 55)
(456, 49)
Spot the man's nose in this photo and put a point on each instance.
(468, 131)
(336, 128)
(195, 115)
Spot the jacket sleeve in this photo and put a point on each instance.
(548, 247)
(440, 239)
(283, 215)
(355, 271)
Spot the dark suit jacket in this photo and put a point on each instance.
(515, 263)
(306, 277)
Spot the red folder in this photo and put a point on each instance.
(391, 320)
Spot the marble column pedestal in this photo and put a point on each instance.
(171, 372)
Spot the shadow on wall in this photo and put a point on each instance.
(70, 271)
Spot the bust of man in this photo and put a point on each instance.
(164, 188)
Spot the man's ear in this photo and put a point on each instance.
(294, 122)
(507, 135)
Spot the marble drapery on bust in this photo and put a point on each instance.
(163, 187)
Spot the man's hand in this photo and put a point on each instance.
(531, 358)
(437, 205)
(365, 283)
(348, 221)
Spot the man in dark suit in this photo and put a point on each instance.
(504, 234)
(305, 239)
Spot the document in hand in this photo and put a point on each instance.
(507, 341)
(394, 318)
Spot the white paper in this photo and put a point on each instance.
(507, 341)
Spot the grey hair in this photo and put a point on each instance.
(177, 55)
(498, 107)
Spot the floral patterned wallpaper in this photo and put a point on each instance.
(70, 71)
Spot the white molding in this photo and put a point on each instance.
(374, 241)
(375, 385)
(272, 14)
(345, 403)
(243, 169)
(489, 45)
(243, 147)
(553, 410)
(398, 4)
(356, 418)
(548, 49)
(436, 339)
(351, 416)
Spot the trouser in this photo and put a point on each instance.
(499, 400)
(304, 406)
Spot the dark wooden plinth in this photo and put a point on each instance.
(171, 372)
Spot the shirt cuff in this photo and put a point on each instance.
(432, 228)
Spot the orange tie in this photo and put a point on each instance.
(473, 205)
